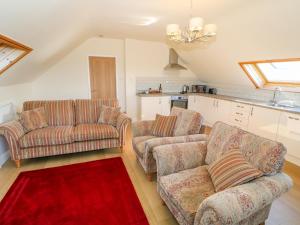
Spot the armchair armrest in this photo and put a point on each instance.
(177, 157)
(12, 131)
(122, 122)
(142, 128)
(244, 200)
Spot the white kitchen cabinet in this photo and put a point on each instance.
(150, 106)
(223, 109)
(264, 122)
(289, 135)
(211, 109)
(192, 103)
(240, 115)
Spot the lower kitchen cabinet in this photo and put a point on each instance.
(150, 106)
(264, 122)
(289, 135)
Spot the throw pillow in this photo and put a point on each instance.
(109, 115)
(164, 126)
(33, 119)
(188, 121)
(231, 169)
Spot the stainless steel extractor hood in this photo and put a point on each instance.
(173, 61)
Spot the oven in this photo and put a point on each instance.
(179, 101)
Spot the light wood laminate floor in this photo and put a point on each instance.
(285, 211)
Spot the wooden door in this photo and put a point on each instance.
(102, 77)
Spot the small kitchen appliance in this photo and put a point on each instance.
(199, 88)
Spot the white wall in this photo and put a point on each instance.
(146, 59)
(69, 78)
(11, 99)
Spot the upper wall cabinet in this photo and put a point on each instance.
(264, 122)
(11, 52)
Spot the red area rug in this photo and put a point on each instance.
(98, 192)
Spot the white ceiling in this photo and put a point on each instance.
(248, 30)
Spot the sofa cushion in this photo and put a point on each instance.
(88, 132)
(188, 121)
(109, 115)
(187, 189)
(164, 126)
(33, 119)
(139, 144)
(231, 170)
(59, 113)
(48, 136)
(88, 110)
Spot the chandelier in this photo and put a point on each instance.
(194, 32)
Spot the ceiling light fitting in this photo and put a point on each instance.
(195, 32)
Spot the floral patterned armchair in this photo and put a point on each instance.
(187, 129)
(184, 182)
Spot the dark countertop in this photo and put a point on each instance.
(230, 98)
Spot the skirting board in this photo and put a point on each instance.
(292, 159)
(3, 158)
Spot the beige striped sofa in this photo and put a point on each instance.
(72, 128)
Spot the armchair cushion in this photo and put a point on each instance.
(186, 190)
(188, 121)
(244, 200)
(48, 136)
(164, 126)
(139, 144)
(89, 132)
(142, 128)
(33, 119)
(231, 170)
(109, 115)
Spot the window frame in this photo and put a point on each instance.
(263, 78)
(14, 44)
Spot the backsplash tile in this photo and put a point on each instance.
(168, 84)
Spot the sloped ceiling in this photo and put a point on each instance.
(248, 30)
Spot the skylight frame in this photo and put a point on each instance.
(16, 45)
(263, 82)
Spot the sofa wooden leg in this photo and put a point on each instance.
(262, 223)
(162, 202)
(18, 163)
(149, 176)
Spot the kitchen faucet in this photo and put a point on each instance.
(276, 96)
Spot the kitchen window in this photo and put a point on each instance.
(11, 52)
(282, 72)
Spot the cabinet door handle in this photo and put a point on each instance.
(217, 103)
(252, 111)
(240, 106)
(237, 120)
(293, 118)
(237, 113)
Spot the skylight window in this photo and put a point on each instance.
(11, 52)
(284, 72)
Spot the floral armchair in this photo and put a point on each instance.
(187, 129)
(185, 185)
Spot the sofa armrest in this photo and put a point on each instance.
(177, 157)
(244, 200)
(12, 131)
(142, 128)
(122, 122)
